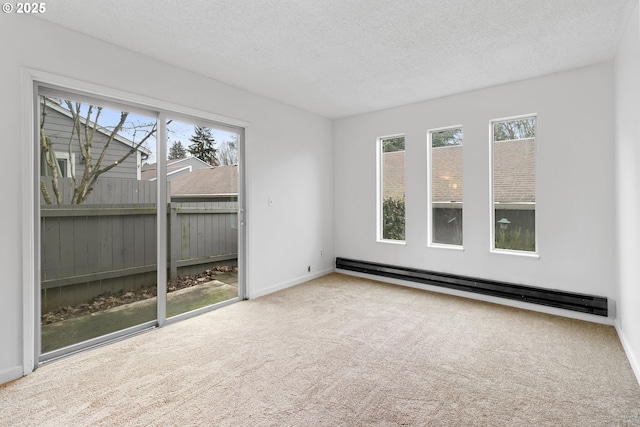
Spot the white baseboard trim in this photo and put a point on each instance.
(633, 360)
(289, 283)
(10, 374)
(487, 298)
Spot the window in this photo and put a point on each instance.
(391, 194)
(106, 220)
(66, 164)
(513, 192)
(445, 186)
(98, 221)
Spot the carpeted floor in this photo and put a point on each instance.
(342, 351)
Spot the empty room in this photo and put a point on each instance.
(320, 213)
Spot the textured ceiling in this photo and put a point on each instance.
(338, 58)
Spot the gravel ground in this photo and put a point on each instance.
(110, 300)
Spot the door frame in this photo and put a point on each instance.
(31, 80)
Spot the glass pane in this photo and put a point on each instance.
(446, 186)
(393, 193)
(202, 181)
(514, 184)
(98, 222)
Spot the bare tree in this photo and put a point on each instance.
(514, 129)
(227, 153)
(390, 145)
(446, 138)
(82, 136)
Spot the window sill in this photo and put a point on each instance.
(445, 246)
(394, 242)
(533, 255)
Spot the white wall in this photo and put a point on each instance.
(288, 158)
(575, 182)
(627, 129)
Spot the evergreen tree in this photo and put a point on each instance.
(177, 151)
(202, 145)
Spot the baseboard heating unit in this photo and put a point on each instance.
(570, 301)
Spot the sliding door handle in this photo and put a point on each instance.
(241, 215)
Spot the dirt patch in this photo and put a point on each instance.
(110, 300)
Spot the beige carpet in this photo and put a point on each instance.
(342, 351)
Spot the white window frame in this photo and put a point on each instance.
(380, 189)
(70, 169)
(430, 242)
(492, 214)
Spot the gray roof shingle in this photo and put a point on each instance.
(514, 180)
(217, 180)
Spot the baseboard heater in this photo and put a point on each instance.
(566, 300)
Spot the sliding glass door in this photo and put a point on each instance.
(97, 221)
(202, 192)
(104, 170)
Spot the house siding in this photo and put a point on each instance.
(58, 127)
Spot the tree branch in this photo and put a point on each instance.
(46, 151)
(133, 149)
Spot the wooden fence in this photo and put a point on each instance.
(109, 243)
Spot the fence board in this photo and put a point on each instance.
(67, 192)
(174, 241)
(117, 248)
(225, 228)
(67, 296)
(93, 290)
(101, 245)
(111, 191)
(150, 237)
(50, 248)
(200, 218)
(217, 231)
(185, 236)
(193, 236)
(80, 246)
(106, 240)
(206, 260)
(125, 195)
(101, 193)
(93, 249)
(82, 293)
(96, 277)
(67, 211)
(66, 251)
(139, 243)
(228, 227)
(128, 242)
(209, 242)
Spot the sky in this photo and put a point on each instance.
(136, 127)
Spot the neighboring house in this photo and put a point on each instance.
(175, 168)
(446, 173)
(514, 179)
(219, 182)
(513, 182)
(393, 179)
(191, 178)
(58, 124)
